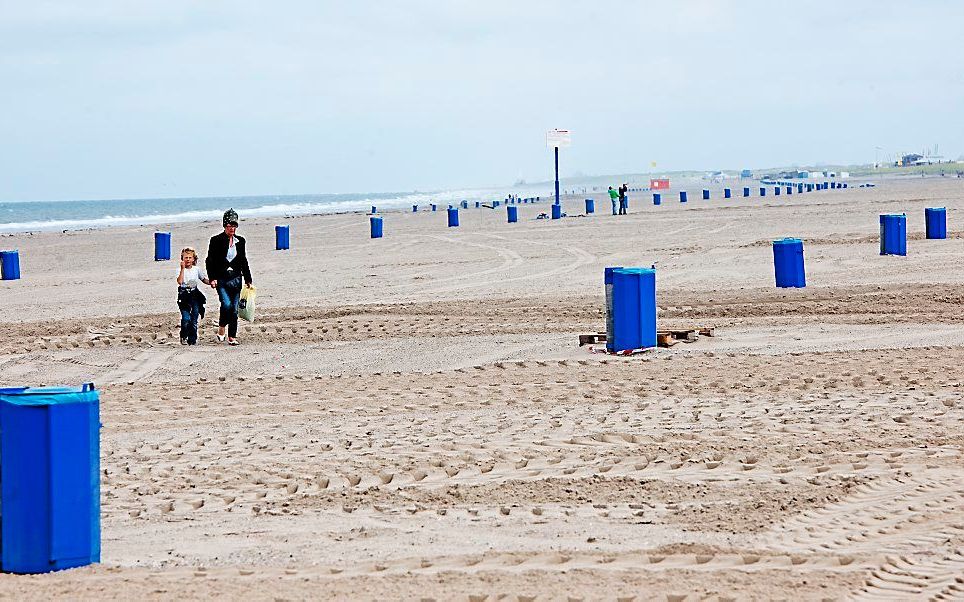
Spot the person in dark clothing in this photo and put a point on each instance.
(227, 265)
(623, 202)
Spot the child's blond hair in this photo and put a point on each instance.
(192, 252)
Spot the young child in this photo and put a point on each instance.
(190, 300)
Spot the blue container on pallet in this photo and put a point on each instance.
(590, 206)
(376, 225)
(682, 196)
(935, 221)
(893, 234)
(50, 475)
(512, 214)
(727, 193)
(10, 265)
(657, 198)
(162, 246)
(706, 194)
(282, 238)
(556, 211)
(788, 263)
(453, 217)
(633, 312)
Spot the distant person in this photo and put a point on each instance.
(623, 202)
(190, 300)
(227, 265)
(614, 197)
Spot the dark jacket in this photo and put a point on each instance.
(217, 264)
(188, 297)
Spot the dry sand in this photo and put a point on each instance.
(411, 417)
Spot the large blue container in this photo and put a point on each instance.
(453, 217)
(727, 193)
(789, 189)
(763, 191)
(434, 207)
(496, 204)
(746, 191)
(10, 265)
(556, 211)
(657, 198)
(465, 204)
(376, 223)
(282, 238)
(50, 474)
(512, 214)
(414, 208)
(682, 196)
(706, 194)
(799, 188)
(788, 263)
(374, 209)
(935, 222)
(590, 206)
(162, 246)
(478, 204)
(633, 309)
(776, 191)
(893, 234)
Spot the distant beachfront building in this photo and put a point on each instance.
(746, 173)
(913, 159)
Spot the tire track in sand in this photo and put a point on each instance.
(139, 367)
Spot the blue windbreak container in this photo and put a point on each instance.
(162, 246)
(682, 196)
(727, 193)
(556, 211)
(706, 194)
(657, 198)
(788, 263)
(50, 475)
(512, 214)
(453, 215)
(893, 234)
(376, 223)
(633, 309)
(10, 265)
(590, 206)
(935, 221)
(282, 238)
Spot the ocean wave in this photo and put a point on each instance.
(299, 207)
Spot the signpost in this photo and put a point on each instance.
(555, 139)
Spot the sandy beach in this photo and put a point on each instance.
(412, 417)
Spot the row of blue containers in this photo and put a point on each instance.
(728, 193)
(49, 478)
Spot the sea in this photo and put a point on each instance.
(29, 216)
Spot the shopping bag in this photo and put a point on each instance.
(246, 304)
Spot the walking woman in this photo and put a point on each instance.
(227, 265)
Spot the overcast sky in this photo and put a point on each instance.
(113, 99)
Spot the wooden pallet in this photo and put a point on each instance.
(664, 338)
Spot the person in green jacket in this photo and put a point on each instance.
(614, 197)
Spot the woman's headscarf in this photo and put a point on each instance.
(230, 217)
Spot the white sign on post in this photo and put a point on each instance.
(558, 138)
